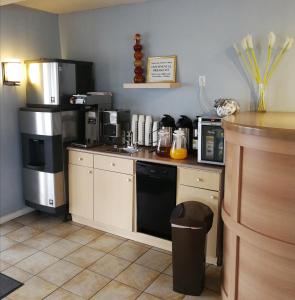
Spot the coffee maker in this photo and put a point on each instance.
(115, 125)
(91, 106)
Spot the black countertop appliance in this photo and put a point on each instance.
(186, 124)
(167, 122)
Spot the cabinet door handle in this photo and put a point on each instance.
(89, 172)
(199, 179)
(129, 180)
(80, 158)
(212, 197)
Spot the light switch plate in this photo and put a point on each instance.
(202, 81)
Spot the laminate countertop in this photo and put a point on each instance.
(146, 155)
(277, 125)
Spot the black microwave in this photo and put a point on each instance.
(211, 149)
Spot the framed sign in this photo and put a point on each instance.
(161, 69)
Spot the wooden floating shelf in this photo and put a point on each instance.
(152, 85)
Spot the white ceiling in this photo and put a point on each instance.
(6, 2)
(67, 6)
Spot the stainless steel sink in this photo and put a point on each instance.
(115, 150)
(132, 150)
(125, 150)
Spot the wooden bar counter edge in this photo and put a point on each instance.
(259, 207)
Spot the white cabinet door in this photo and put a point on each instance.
(113, 199)
(211, 199)
(81, 191)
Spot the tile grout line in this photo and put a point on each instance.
(111, 282)
(79, 265)
(134, 262)
(83, 269)
(156, 278)
(59, 259)
(37, 250)
(125, 258)
(148, 248)
(131, 263)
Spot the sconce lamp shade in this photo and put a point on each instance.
(12, 73)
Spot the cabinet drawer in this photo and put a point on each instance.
(187, 193)
(199, 178)
(115, 164)
(81, 159)
(209, 198)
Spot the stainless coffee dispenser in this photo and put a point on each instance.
(92, 106)
(115, 125)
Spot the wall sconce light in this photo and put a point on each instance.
(12, 73)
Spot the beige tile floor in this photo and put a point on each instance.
(57, 260)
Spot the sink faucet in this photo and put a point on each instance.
(129, 139)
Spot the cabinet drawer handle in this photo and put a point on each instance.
(113, 164)
(199, 179)
(80, 158)
(89, 172)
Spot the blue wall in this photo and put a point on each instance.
(24, 34)
(199, 32)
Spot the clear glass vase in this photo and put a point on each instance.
(206, 105)
(261, 98)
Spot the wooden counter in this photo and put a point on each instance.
(146, 155)
(259, 207)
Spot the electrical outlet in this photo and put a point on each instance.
(202, 81)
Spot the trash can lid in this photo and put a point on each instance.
(192, 214)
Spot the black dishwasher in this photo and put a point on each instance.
(156, 198)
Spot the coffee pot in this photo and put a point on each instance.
(164, 143)
(167, 123)
(186, 125)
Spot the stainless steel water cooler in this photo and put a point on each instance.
(48, 124)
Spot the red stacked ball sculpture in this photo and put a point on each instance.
(138, 62)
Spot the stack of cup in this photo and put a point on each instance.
(141, 128)
(156, 127)
(145, 130)
(134, 129)
(148, 131)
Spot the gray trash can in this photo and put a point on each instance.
(190, 221)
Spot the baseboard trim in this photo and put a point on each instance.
(133, 235)
(15, 214)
